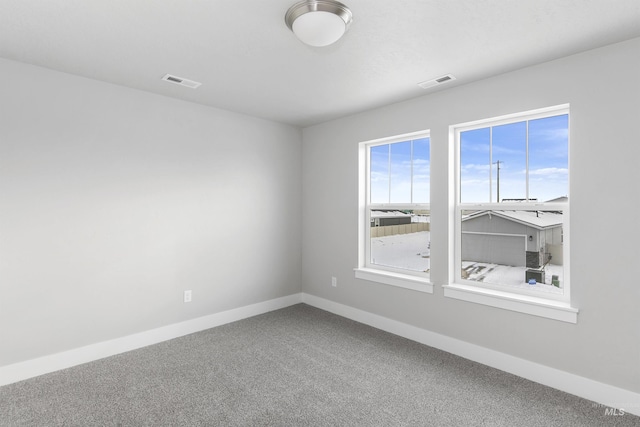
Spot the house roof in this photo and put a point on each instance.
(388, 214)
(537, 219)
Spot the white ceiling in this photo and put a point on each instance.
(249, 62)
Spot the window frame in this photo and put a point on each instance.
(522, 300)
(414, 280)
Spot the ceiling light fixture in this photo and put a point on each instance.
(318, 22)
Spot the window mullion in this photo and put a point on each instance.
(389, 169)
(411, 164)
(526, 177)
(491, 164)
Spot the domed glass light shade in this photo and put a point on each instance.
(318, 22)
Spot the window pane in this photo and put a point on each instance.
(401, 239)
(509, 162)
(421, 171)
(549, 158)
(400, 172)
(379, 179)
(510, 248)
(475, 164)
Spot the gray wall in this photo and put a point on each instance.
(115, 201)
(602, 87)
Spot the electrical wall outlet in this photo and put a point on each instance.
(334, 282)
(187, 296)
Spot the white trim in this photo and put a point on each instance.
(406, 281)
(514, 117)
(66, 359)
(397, 138)
(417, 281)
(557, 310)
(604, 394)
(525, 301)
(586, 388)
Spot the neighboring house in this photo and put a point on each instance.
(384, 218)
(516, 238)
(390, 223)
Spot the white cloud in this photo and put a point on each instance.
(476, 167)
(560, 134)
(549, 171)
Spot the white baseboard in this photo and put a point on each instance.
(603, 394)
(55, 362)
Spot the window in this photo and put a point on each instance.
(511, 213)
(395, 214)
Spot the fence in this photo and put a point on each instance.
(390, 230)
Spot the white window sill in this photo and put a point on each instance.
(395, 279)
(556, 310)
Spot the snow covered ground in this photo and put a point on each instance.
(512, 276)
(407, 251)
(412, 252)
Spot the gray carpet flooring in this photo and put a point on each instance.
(298, 366)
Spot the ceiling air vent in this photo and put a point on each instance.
(180, 81)
(434, 82)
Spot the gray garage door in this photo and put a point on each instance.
(494, 248)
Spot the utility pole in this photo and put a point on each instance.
(498, 195)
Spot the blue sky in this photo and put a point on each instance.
(481, 149)
(400, 172)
